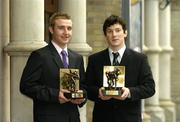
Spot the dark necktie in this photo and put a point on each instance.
(64, 58)
(115, 59)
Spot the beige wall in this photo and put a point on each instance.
(175, 64)
(97, 11)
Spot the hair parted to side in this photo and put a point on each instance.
(57, 15)
(111, 20)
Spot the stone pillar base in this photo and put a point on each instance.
(89, 110)
(156, 113)
(169, 109)
(146, 118)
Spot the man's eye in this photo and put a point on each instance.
(69, 28)
(109, 31)
(118, 30)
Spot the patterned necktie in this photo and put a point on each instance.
(64, 58)
(115, 59)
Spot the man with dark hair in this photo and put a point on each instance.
(139, 83)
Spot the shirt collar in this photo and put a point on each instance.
(58, 48)
(120, 51)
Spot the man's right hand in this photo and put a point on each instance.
(62, 98)
(101, 96)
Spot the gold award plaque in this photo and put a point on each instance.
(69, 80)
(113, 80)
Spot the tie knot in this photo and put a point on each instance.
(63, 52)
(64, 58)
(115, 54)
(115, 59)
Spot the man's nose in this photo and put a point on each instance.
(114, 33)
(66, 30)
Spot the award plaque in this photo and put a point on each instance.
(113, 80)
(69, 80)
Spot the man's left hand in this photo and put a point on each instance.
(125, 94)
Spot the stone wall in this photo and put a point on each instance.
(97, 11)
(175, 62)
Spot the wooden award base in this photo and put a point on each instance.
(75, 95)
(111, 91)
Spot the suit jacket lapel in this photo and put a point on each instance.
(106, 58)
(71, 58)
(56, 56)
(124, 60)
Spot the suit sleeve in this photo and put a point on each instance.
(82, 80)
(146, 87)
(91, 81)
(31, 83)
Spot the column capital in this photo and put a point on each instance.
(23, 48)
(155, 49)
(82, 48)
(166, 103)
(144, 48)
(167, 49)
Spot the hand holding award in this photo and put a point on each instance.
(69, 80)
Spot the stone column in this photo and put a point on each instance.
(77, 10)
(152, 43)
(165, 64)
(4, 63)
(26, 35)
(5, 72)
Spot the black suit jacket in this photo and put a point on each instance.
(40, 81)
(138, 78)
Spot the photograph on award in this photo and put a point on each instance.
(113, 77)
(69, 79)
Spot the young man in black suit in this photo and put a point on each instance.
(139, 83)
(40, 79)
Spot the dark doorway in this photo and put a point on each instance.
(50, 6)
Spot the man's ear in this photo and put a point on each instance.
(51, 29)
(126, 33)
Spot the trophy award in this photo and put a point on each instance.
(113, 80)
(69, 80)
